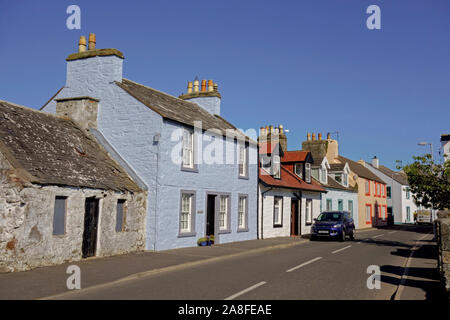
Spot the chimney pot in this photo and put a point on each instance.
(271, 129)
(308, 136)
(196, 85)
(82, 44)
(203, 85)
(328, 136)
(313, 137)
(92, 41)
(320, 136)
(280, 127)
(210, 86)
(189, 87)
(216, 87)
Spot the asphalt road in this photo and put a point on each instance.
(312, 270)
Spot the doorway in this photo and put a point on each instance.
(295, 219)
(90, 227)
(210, 215)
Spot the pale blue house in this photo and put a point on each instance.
(199, 170)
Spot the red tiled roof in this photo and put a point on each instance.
(294, 156)
(289, 180)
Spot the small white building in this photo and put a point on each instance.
(289, 198)
(445, 147)
(399, 198)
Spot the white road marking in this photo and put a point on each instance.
(246, 290)
(304, 264)
(336, 251)
(378, 236)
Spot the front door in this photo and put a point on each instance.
(210, 215)
(294, 217)
(90, 227)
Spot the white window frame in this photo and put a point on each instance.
(308, 211)
(308, 172)
(368, 213)
(187, 213)
(223, 212)
(296, 167)
(188, 149)
(345, 179)
(323, 175)
(243, 160)
(276, 165)
(242, 212)
(278, 203)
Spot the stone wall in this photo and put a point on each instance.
(443, 242)
(26, 223)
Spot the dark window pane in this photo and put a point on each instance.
(120, 211)
(59, 216)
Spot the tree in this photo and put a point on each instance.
(429, 182)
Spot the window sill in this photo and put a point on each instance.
(278, 226)
(224, 231)
(243, 230)
(243, 177)
(187, 169)
(187, 234)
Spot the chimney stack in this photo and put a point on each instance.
(82, 44)
(82, 110)
(375, 162)
(206, 96)
(92, 41)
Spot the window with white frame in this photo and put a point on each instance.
(308, 172)
(338, 177)
(298, 168)
(323, 175)
(309, 211)
(408, 193)
(243, 161)
(278, 211)
(378, 189)
(186, 213)
(276, 166)
(242, 213)
(382, 190)
(223, 213)
(367, 185)
(188, 149)
(345, 179)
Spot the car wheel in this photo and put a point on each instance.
(343, 235)
(352, 236)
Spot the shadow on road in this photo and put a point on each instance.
(424, 278)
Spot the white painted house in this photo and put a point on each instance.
(399, 198)
(289, 198)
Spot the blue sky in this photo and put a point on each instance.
(312, 66)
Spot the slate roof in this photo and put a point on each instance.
(337, 167)
(173, 108)
(333, 184)
(52, 150)
(360, 170)
(400, 177)
(289, 180)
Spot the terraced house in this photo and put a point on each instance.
(372, 205)
(199, 170)
(289, 198)
(340, 196)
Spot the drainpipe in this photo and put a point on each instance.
(262, 211)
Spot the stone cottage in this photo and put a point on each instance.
(200, 171)
(62, 197)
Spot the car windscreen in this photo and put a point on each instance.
(330, 216)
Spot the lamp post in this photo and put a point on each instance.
(426, 144)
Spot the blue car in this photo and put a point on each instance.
(333, 224)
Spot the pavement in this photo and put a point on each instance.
(279, 268)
